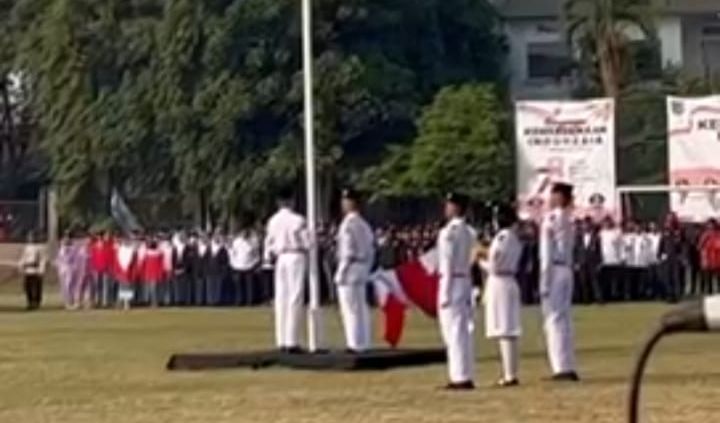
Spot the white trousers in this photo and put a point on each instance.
(289, 289)
(355, 315)
(509, 357)
(456, 330)
(557, 317)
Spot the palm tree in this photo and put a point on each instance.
(600, 31)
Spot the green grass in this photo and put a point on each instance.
(77, 367)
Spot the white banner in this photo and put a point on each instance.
(694, 155)
(566, 141)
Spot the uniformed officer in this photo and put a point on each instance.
(286, 245)
(455, 311)
(356, 252)
(502, 294)
(556, 282)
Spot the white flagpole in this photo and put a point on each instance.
(314, 312)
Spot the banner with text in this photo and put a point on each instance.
(694, 155)
(566, 141)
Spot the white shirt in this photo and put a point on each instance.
(33, 260)
(631, 246)
(286, 233)
(244, 252)
(557, 244)
(355, 244)
(654, 250)
(454, 245)
(504, 255)
(166, 247)
(644, 249)
(611, 246)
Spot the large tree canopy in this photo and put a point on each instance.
(203, 98)
(460, 147)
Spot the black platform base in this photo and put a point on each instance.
(334, 360)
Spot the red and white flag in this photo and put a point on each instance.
(414, 283)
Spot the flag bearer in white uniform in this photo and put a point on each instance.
(557, 239)
(455, 310)
(286, 244)
(502, 294)
(356, 253)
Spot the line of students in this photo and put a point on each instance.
(178, 270)
(644, 262)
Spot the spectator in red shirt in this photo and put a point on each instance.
(153, 271)
(709, 246)
(102, 256)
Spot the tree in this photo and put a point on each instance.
(460, 146)
(600, 31)
(202, 99)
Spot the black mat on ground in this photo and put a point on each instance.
(335, 360)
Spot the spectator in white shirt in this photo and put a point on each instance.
(32, 265)
(244, 261)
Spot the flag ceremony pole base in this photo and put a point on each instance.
(330, 360)
(315, 330)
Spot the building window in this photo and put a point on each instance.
(549, 60)
(711, 57)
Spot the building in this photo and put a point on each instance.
(539, 57)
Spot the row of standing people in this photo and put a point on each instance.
(182, 269)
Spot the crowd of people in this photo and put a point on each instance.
(633, 261)
(629, 262)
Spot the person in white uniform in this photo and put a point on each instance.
(356, 253)
(455, 309)
(286, 246)
(557, 240)
(502, 294)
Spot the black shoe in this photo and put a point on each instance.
(566, 377)
(502, 383)
(351, 351)
(460, 386)
(294, 350)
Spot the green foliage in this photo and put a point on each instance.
(202, 99)
(602, 32)
(460, 147)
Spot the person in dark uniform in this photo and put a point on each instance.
(588, 258)
(529, 264)
(218, 269)
(189, 264)
(672, 260)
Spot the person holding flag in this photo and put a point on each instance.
(286, 246)
(455, 309)
(502, 294)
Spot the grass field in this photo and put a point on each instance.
(57, 366)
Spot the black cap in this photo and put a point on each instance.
(563, 189)
(506, 215)
(285, 194)
(459, 200)
(350, 194)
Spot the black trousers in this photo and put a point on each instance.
(588, 281)
(672, 277)
(609, 282)
(245, 289)
(33, 291)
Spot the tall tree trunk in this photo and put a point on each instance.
(607, 66)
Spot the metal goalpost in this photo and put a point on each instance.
(623, 191)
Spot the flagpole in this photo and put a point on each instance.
(314, 312)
